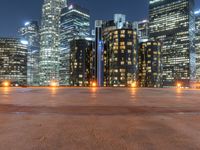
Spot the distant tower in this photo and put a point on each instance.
(13, 61)
(30, 33)
(74, 24)
(149, 64)
(49, 41)
(82, 62)
(172, 22)
(99, 52)
(197, 45)
(119, 52)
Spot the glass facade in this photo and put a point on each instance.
(197, 46)
(13, 61)
(172, 23)
(149, 65)
(99, 53)
(74, 24)
(49, 41)
(116, 52)
(120, 57)
(30, 33)
(82, 68)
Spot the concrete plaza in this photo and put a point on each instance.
(99, 119)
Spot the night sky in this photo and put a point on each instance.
(15, 13)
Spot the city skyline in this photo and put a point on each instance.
(31, 10)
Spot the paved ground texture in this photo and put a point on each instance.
(99, 119)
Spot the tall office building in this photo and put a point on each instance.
(119, 52)
(197, 45)
(74, 24)
(99, 65)
(149, 64)
(120, 58)
(49, 41)
(30, 33)
(13, 61)
(116, 52)
(82, 68)
(172, 22)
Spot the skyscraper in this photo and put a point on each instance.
(172, 23)
(30, 33)
(99, 63)
(120, 52)
(116, 52)
(197, 45)
(49, 41)
(149, 64)
(13, 61)
(82, 68)
(74, 24)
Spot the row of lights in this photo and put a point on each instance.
(55, 84)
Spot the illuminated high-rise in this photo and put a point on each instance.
(13, 61)
(119, 52)
(74, 24)
(172, 22)
(149, 64)
(197, 45)
(30, 33)
(49, 41)
(82, 68)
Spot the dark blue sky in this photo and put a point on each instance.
(14, 14)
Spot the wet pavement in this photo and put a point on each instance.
(99, 118)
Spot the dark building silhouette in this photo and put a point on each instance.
(149, 65)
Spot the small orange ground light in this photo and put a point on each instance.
(53, 84)
(179, 85)
(134, 85)
(94, 84)
(6, 83)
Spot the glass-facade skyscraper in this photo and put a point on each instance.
(99, 63)
(74, 24)
(172, 23)
(49, 41)
(30, 33)
(197, 45)
(13, 61)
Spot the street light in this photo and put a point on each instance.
(94, 84)
(179, 85)
(6, 83)
(53, 83)
(134, 85)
